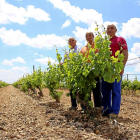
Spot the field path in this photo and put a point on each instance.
(33, 118)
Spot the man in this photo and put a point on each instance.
(73, 47)
(111, 92)
(84, 51)
(90, 40)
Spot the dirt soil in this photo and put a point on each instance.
(33, 118)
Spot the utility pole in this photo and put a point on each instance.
(33, 72)
(33, 68)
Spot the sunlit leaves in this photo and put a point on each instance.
(79, 71)
(96, 29)
(117, 53)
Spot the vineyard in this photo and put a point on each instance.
(131, 86)
(3, 84)
(24, 116)
(77, 72)
(38, 116)
(128, 86)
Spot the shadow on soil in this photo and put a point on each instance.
(101, 126)
(107, 128)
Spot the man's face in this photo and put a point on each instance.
(89, 37)
(72, 42)
(111, 30)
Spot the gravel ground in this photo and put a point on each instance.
(33, 118)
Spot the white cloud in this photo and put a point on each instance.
(109, 23)
(18, 59)
(66, 24)
(137, 68)
(38, 54)
(136, 48)
(132, 59)
(81, 15)
(133, 62)
(13, 74)
(45, 60)
(37, 14)
(80, 32)
(7, 63)
(10, 62)
(78, 15)
(138, 1)
(11, 37)
(10, 13)
(22, 69)
(131, 28)
(47, 41)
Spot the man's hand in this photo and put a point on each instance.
(60, 63)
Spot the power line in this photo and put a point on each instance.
(132, 64)
(131, 74)
(133, 58)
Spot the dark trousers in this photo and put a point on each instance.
(73, 99)
(96, 94)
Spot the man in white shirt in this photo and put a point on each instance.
(74, 48)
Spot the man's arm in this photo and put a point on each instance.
(125, 52)
(81, 50)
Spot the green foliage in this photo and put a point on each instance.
(130, 85)
(31, 82)
(15, 84)
(81, 71)
(53, 77)
(125, 84)
(24, 84)
(91, 103)
(21, 83)
(3, 84)
(37, 78)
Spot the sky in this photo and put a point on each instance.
(30, 30)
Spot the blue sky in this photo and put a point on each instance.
(29, 29)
